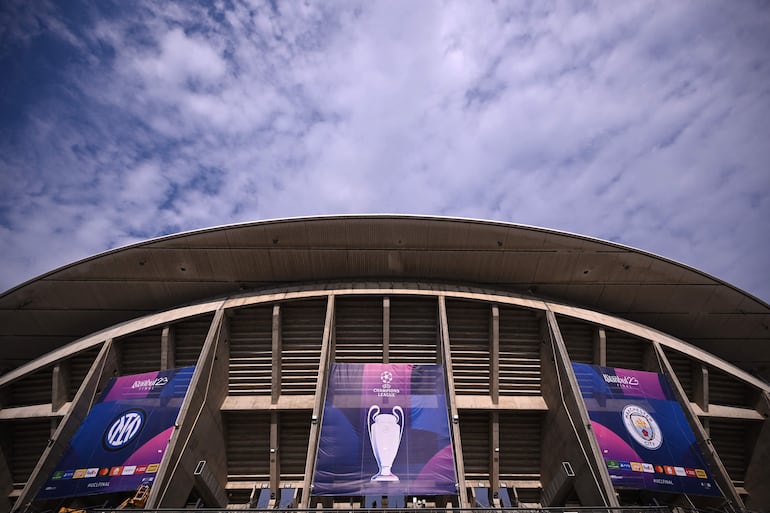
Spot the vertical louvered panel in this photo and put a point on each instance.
(32, 389)
(248, 446)
(519, 352)
(140, 352)
(474, 433)
(624, 351)
(28, 439)
(302, 327)
(469, 342)
(189, 336)
(682, 366)
(358, 330)
(413, 330)
(251, 351)
(729, 391)
(730, 439)
(520, 445)
(294, 436)
(79, 365)
(578, 338)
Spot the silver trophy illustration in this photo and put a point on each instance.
(385, 430)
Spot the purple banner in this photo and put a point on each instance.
(385, 431)
(120, 444)
(642, 431)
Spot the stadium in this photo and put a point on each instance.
(370, 362)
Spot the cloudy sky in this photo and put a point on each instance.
(644, 123)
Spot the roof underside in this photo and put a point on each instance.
(159, 274)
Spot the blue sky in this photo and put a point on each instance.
(645, 123)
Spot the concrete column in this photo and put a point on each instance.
(199, 430)
(105, 366)
(60, 389)
(650, 359)
(700, 385)
(494, 355)
(320, 395)
(756, 482)
(600, 347)
(385, 329)
(6, 483)
(167, 348)
(276, 369)
(494, 446)
(712, 458)
(445, 352)
(568, 435)
(275, 461)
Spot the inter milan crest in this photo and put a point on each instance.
(123, 429)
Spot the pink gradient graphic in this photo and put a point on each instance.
(613, 447)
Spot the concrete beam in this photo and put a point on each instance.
(494, 447)
(6, 483)
(721, 476)
(320, 397)
(275, 461)
(105, 367)
(446, 358)
(199, 433)
(568, 432)
(756, 481)
(208, 486)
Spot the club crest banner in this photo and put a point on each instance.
(642, 431)
(120, 444)
(385, 431)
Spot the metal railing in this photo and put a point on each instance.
(346, 509)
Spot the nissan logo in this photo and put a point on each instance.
(123, 429)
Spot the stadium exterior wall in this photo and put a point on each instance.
(262, 358)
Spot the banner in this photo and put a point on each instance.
(385, 431)
(120, 444)
(642, 431)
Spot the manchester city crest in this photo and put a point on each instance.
(642, 427)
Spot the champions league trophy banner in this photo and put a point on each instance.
(385, 431)
(120, 444)
(642, 431)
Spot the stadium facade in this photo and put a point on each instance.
(271, 318)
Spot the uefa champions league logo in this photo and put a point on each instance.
(642, 427)
(386, 377)
(123, 429)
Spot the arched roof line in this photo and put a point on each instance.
(364, 217)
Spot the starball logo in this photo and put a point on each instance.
(123, 429)
(150, 383)
(386, 390)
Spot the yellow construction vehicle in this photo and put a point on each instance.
(138, 500)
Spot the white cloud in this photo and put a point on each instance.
(643, 122)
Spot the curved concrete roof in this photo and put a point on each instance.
(158, 274)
